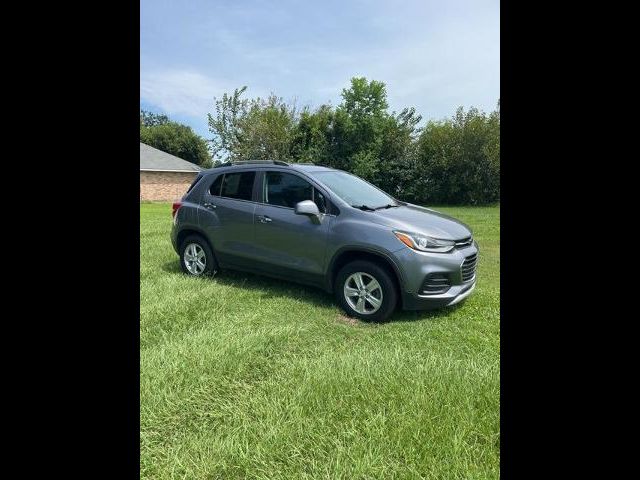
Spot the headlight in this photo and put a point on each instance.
(424, 243)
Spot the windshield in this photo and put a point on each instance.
(355, 191)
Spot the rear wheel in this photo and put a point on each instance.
(196, 257)
(366, 291)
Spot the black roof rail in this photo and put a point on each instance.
(251, 162)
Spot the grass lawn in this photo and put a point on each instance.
(247, 377)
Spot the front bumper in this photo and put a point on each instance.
(457, 293)
(415, 267)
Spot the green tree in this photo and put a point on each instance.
(365, 99)
(397, 170)
(360, 122)
(313, 136)
(456, 160)
(360, 136)
(149, 119)
(459, 159)
(174, 138)
(371, 142)
(252, 129)
(267, 129)
(224, 125)
(492, 147)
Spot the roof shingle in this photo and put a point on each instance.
(157, 160)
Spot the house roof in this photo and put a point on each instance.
(152, 159)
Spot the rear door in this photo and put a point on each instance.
(226, 215)
(283, 239)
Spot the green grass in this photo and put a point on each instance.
(247, 377)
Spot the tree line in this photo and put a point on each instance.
(450, 161)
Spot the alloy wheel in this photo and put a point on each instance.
(363, 293)
(195, 259)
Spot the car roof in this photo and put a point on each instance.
(308, 167)
(300, 167)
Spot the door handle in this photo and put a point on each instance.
(264, 219)
(210, 206)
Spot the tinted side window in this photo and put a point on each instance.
(286, 190)
(215, 186)
(320, 200)
(238, 185)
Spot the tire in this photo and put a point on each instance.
(385, 290)
(203, 250)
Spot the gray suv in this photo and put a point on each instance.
(327, 228)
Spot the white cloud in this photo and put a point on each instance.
(432, 55)
(180, 91)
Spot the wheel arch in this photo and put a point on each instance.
(191, 230)
(348, 254)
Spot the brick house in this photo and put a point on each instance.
(164, 177)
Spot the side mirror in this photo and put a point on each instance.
(308, 208)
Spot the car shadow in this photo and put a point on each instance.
(420, 315)
(270, 287)
(276, 288)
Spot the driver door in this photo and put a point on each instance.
(292, 243)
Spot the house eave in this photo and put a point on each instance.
(166, 170)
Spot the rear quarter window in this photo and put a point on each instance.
(214, 189)
(238, 185)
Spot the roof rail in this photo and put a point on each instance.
(251, 162)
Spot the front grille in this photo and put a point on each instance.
(435, 283)
(469, 267)
(464, 243)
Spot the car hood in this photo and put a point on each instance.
(413, 218)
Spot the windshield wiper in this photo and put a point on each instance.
(364, 207)
(388, 205)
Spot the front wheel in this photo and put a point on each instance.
(366, 291)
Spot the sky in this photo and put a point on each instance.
(432, 55)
